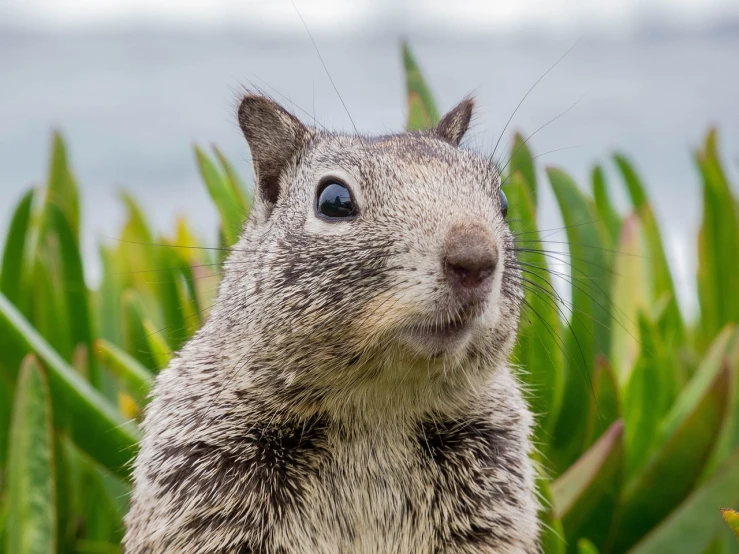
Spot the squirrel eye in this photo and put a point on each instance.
(503, 204)
(335, 201)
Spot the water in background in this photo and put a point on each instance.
(131, 105)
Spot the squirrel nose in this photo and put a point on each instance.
(470, 256)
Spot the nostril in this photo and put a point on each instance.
(471, 272)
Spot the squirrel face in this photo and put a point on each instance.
(366, 254)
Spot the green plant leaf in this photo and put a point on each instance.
(3, 525)
(703, 379)
(61, 189)
(696, 522)
(718, 243)
(604, 208)
(731, 517)
(688, 435)
(13, 283)
(135, 377)
(14, 252)
(522, 161)
(237, 185)
(629, 297)
(93, 424)
(649, 394)
(107, 299)
(539, 346)
(160, 350)
(225, 196)
(31, 496)
(101, 512)
(660, 270)
(48, 305)
(151, 272)
(552, 533)
(6, 405)
(552, 538)
(605, 405)
(586, 496)
(135, 335)
(422, 112)
(728, 438)
(78, 319)
(588, 333)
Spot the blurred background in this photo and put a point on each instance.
(631, 365)
(133, 84)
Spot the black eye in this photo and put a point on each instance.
(503, 204)
(335, 201)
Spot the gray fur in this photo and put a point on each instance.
(309, 414)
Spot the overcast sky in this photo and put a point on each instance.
(351, 16)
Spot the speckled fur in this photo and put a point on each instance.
(296, 421)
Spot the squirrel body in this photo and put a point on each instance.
(349, 392)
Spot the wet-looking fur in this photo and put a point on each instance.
(346, 395)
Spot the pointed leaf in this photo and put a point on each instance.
(422, 112)
(660, 270)
(14, 284)
(13, 253)
(629, 298)
(237, 185)
(61, 189)
(225, 197)
(604, 208)
(522, 161)
(31, 495)
(78, 321)
(588, 332)
(718, 244)
(93, 424)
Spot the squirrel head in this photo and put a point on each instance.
(370, 260)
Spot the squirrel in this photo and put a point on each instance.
(350, 391)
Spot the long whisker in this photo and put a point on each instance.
(325, 68)
(534, 133)
(527, 94)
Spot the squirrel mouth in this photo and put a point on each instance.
(446, 329)
(441, 333)
(436, 338)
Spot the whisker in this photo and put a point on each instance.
(325, 68)
(527, 94)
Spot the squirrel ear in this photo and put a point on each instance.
(275, 138)
(455, 123)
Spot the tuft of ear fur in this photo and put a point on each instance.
(275, 138)
(455, 123)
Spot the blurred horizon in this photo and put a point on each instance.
(337, 18)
